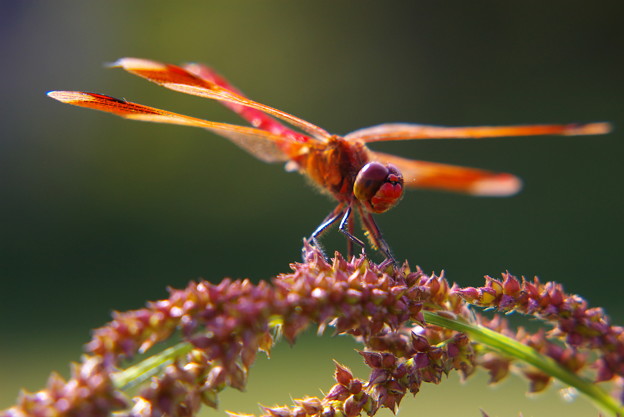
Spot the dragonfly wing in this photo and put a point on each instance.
(255, 117)
(179, 79)
(404, 131)
(263, 145)
(432, 175)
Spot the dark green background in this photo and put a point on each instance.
(99, 213)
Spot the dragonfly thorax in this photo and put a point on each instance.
(379, 187)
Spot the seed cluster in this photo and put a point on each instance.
(380, 305)
(579, 328)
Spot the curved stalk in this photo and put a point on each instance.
(510, 347)
(139, 372)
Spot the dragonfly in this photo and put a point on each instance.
(362, 181)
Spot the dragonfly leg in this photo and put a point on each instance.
(350, 227)
(346, 227)
(327, 222)
(375, 234)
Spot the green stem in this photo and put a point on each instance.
(141, 371)
(522, 352)
(493, 340)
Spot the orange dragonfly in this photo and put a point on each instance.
(359, 179)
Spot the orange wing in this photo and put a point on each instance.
(423, 174)
(263, 145)
(403, 131)
(179, 79)
(255, 117)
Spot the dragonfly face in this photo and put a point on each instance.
(360, 180)
(378, 187)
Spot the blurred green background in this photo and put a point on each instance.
(101, 214)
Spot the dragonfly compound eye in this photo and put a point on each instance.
(378, 187)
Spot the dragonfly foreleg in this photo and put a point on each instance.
(346, 227)
(374, 234)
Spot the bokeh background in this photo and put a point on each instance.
(101, 214)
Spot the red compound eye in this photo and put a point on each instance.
(378, 187)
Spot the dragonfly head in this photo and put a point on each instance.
(378, 187)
